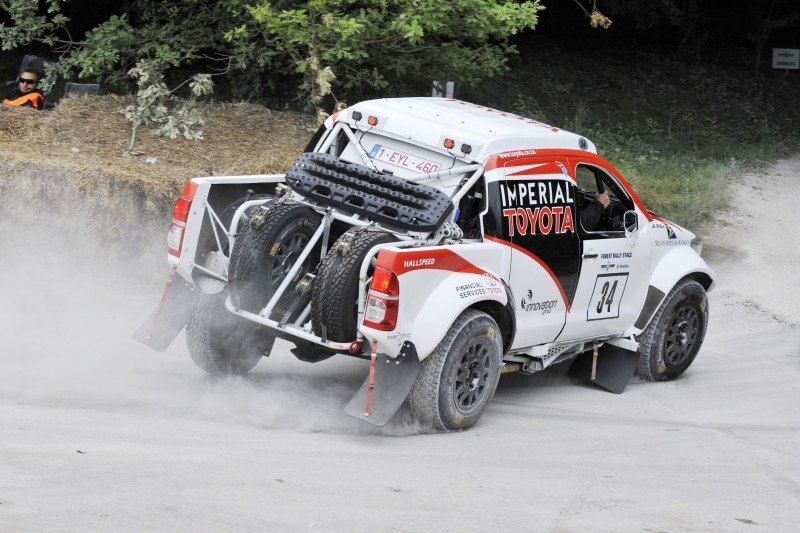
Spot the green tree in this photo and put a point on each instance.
(346, 48)
(354, 48)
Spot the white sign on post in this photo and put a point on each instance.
(446, 91)
(786, 58)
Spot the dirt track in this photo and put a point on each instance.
(98, 433)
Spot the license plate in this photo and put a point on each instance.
(403, 159)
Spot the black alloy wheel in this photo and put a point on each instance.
(472, 375)
(681, 336)
(286, 255)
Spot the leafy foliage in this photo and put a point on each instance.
(360, 47)
(347, 48)
(28, 24)
(155, 105)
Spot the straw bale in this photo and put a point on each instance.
(90, 133)
(81, 145)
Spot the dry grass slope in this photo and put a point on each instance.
(77, 151)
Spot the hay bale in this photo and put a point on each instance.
(76, 154)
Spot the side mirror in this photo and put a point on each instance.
(630, 221)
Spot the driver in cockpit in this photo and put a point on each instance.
(592, 212)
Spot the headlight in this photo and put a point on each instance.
(697, 245)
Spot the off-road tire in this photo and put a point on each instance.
(671, 341)
(223, 343)
(437, 398)
(258, 250)
(334, 300)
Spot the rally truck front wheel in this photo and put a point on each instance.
(457, 381)
(671, 341)
(223, 343)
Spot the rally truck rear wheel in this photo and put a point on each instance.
(264, 253)
(671, 341)
(334, 301)
(223, 343)
(458, 380)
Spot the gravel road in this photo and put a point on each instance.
(97, 433)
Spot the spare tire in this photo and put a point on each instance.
(334, 301)
(266, 250)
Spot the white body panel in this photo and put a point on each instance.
(198, 211)
(410, 139)
(432, 296)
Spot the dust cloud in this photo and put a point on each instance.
(71, 298)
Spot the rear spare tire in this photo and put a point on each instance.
(334, 300)
(266, 250)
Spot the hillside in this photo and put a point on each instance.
(79, 149)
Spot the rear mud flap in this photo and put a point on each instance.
(393, 381)
(169, 317)
(613, 369)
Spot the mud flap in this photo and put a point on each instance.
(393, 381)
(614, 367)
(169, 317)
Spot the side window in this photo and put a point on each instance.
(470, 209)
(594, 219)
(586, 179)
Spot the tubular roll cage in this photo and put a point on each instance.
(302, 327)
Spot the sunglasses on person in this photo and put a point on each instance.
(27, 81)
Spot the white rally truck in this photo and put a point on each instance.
(447, 243)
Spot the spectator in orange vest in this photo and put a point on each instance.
(26, 93)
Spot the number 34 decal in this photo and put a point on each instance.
(606, 297)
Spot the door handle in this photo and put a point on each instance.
(590, 256)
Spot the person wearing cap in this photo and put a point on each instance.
(26, 92)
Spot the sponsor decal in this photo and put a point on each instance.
(537, 207)
(543, 307)
(615, 266)
(615, 261)
(617, 255)
(517, 153)
(468, 290)
(489, 280)
(491, 284)
(670, 232)
(398, 338)
(676, 242)
(414, 263)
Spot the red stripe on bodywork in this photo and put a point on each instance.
(576, 156)
(401, 261)
(535, 258)
(549, 167)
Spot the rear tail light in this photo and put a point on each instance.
(180, 214)
(382, 300)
